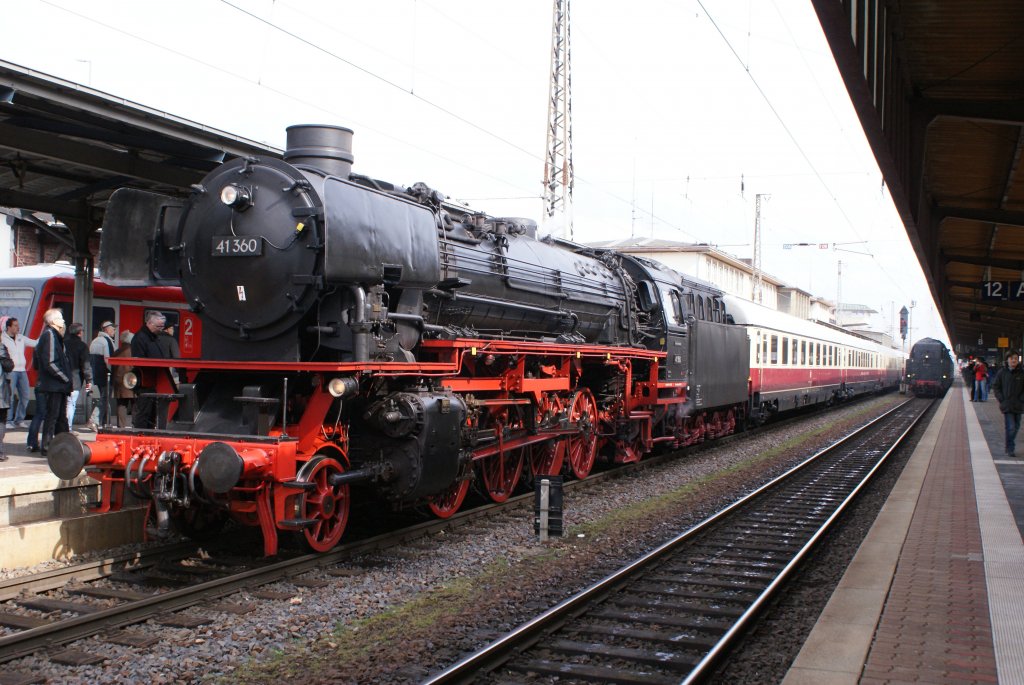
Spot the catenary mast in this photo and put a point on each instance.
(558, 172)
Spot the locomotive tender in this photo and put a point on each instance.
(358, 333)
(929, 368)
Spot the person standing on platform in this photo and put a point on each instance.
(125, 397)
(169, 346)
(1008, 387)
(54, 381)
(968, 374)
(981, 381)
(16, 343)
(100, 350)
(81, 370)
(6, 367)
(146, 345)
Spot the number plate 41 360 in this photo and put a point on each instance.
(237, 246)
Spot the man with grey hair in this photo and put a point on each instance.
(54, 381)
(146, 345)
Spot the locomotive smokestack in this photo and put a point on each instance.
(324, 147)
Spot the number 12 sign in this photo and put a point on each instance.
(1002, 291)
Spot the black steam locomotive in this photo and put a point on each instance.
(929, 368)
(355, 332)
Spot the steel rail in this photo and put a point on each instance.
(731, 636)
(490, 656)
(53, 579)
(25, 642)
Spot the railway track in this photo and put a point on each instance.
(109, 595)
(669, 616)
(177, 586)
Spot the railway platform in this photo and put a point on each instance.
(44, 518)
(935, 592)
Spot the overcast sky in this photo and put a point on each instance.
(683, 112)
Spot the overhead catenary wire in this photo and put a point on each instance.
(445, 110)
(796, 143)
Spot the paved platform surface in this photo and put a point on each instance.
(21, 462)
(936, 592)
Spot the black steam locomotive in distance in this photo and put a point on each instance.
(929, 368)
(355, 332)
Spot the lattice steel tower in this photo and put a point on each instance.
(558, 173)
(758, 285)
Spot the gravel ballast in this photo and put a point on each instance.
(406, 613)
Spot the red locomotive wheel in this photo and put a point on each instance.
(500, 473)
(327, 505)
(714, 429)
(730, 422)
(546, 459)
(445, 504)
(582, 446)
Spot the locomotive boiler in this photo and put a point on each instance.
(359, 333)
(315, 263)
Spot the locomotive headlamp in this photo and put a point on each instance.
(342, 387)
(130, 380)
(236, 196)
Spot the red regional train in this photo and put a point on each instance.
(26, 292)
(355, 332)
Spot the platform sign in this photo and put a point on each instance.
(1002, 342)
(1001, 291)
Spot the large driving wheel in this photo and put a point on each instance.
(499, 473)
(445, 504)
(326, 504)
(546, 458)
(581, 446)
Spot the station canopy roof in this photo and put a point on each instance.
(65, 148)
(938, 86)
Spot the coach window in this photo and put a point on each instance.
(700, 308)
(690, 308)
(708, 312)
(775, 350)
(785, 350)
(803, 352)
(764, 350)
(795, 348)
(817, 354)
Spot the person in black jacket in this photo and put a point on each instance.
(146, 345)
(81, 370)
(6, 367)
(53, 384)
(1008, 387)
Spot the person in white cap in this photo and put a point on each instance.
(100, 349)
